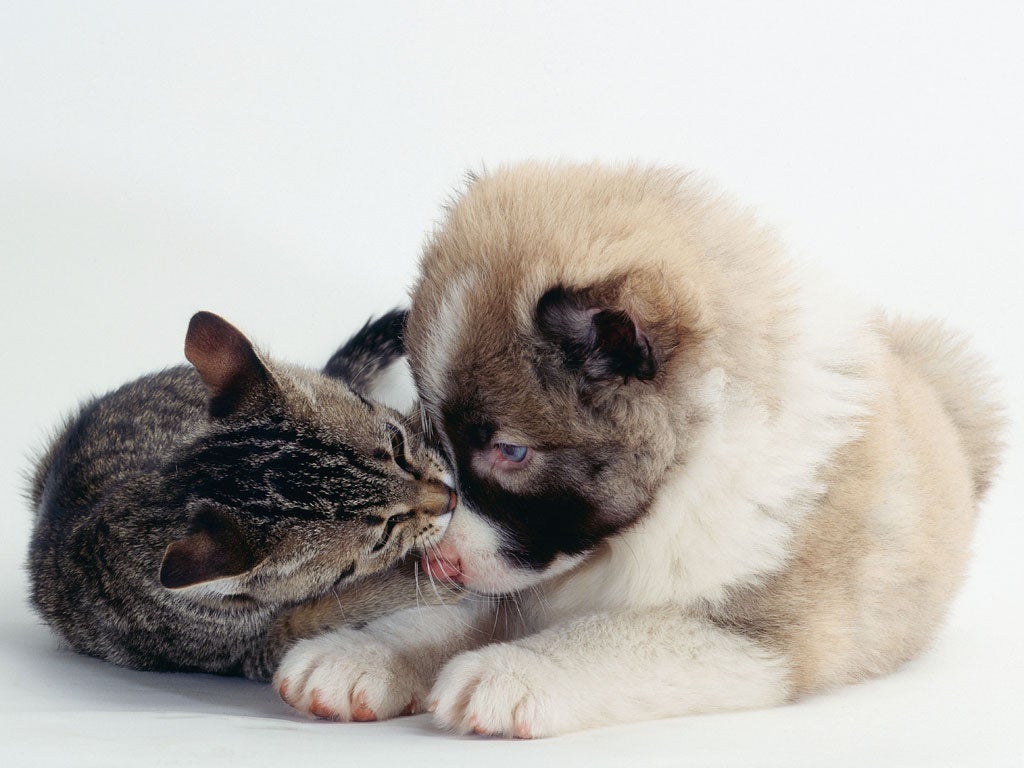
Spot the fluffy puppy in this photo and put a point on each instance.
(691, 478)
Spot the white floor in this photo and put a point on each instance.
(280, 165)
(958, 706)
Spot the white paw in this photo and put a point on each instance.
(501, 690)
(347, 675)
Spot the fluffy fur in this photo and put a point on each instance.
(692, 478)
(203, 519)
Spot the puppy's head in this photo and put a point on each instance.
(555, 322)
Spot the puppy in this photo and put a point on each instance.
(691, 479)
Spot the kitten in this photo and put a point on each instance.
(203, 519)
(692, 477)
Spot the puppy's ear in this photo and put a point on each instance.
(216, 549)
(602, 343)
(228, 365)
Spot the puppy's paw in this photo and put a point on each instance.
(346, 675)
(501, 690)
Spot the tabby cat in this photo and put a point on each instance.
(202, 519)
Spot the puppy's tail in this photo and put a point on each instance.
(967, 390)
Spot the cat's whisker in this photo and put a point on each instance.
(416, 580)
(514, 597)
(202, 450)
(540, 598)
(632, 552)
(497, 610)
(448, 606)
(515, 601)
(341, 607)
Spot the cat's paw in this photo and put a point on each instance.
(501, 690)
(347, 675)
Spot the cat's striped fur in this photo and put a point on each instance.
(203, 518)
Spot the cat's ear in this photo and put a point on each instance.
(215, 549)
(601, 343)
(228, 364)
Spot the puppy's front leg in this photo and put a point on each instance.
(384, 669)
(604, 669)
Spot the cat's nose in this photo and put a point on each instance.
(437, 498)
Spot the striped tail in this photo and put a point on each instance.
(369, 351)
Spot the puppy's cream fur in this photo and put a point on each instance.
(798, 481)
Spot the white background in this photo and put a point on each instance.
(281, 166)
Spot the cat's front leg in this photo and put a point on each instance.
(384, 669)
(605, 669)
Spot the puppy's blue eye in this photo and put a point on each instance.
(511, 452)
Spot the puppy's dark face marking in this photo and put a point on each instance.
(550, 507)
(537, 436)
(551, 314)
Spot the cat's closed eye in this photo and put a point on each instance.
(398, 443)
(231, 513)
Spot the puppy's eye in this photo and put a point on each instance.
(514, 453)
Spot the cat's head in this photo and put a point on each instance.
(297, 484)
